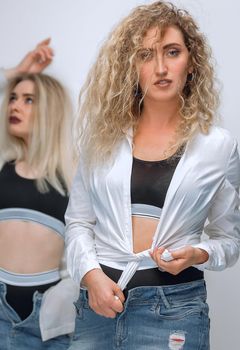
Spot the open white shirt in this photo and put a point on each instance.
(204, 189)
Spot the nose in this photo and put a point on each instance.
(160, 66)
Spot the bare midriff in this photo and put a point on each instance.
(143, 231)
(28, 247)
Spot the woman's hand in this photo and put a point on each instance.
(182, 258)
(105, 296)
(34, 61)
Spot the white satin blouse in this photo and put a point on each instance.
(202, 197)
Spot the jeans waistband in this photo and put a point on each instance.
(148, 294)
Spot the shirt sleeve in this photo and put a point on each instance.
(223, 228)
(80, 221)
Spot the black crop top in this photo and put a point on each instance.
(19, 192)
(150, 181)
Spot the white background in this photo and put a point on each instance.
(77, 29)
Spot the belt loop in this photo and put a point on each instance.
(37, 297)
(83, 295)
(3, 287)
(164, 298)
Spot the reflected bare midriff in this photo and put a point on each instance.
(143, 232)
(28, 247)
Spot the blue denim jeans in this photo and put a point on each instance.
(16, 334)
(167, 317)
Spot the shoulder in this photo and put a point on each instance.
(218, 147)
(220, 133)
(217, 138)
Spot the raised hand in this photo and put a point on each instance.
(34, 61)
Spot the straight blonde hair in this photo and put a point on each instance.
(50, 151)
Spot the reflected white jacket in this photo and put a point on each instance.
(202, 196)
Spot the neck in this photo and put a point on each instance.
(25, 150)
(160, 116)
(23, 169)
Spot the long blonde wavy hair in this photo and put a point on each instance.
(109, 102)
(50, 152)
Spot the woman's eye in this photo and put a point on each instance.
(173, 53)
(29, 100)
(12, 98)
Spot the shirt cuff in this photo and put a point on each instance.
(85, 269)
(206, 264)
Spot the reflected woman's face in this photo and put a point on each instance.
(20, 110)
(163, 64)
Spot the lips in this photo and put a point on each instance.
(163, 82)
(14, 120)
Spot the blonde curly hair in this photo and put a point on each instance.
(109, 103)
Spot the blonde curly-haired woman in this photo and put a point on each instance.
(155, 172)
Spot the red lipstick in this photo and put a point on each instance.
(14, 120)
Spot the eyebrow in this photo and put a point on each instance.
(170, 45)
(24, 95)
(167, 46)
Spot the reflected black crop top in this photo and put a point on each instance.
(20, 199)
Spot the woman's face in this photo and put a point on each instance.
(20, 110)
(163, 65)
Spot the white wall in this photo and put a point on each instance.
(77, 29)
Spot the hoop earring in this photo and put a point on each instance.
(137, 91)
(190, 77)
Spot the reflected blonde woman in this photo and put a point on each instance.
(35, 175)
